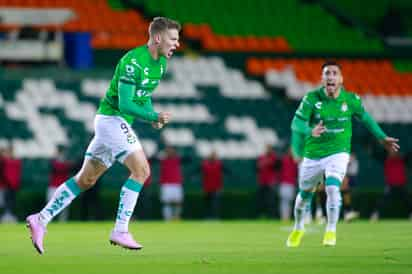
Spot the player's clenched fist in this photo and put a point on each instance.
(164, 117)
(157, 125)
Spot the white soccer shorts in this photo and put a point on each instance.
(311, 171)
(114, 140)
(286, 191)
(171, 193)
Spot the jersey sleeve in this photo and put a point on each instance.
(360, 113)
(143, 110)
(358, 109)
(128, 71)
(305, 108)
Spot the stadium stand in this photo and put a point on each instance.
(284, 24)
(209, 112)
(109, 28)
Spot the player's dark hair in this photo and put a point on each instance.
(331, 63)
(160, 24)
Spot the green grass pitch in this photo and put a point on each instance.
(209, 247)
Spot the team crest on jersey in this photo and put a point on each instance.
(318, 105)
(344, 107)
(145, 81)
(131, 138)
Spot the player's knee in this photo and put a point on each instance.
(141, 173)
(86, 182)
(333, 193)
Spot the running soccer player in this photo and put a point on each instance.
(324, 118)
(128, 97)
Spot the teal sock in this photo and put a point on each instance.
(128, 198)
(62, 198)
(302, 207)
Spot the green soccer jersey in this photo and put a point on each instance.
(336, 115)
(136, 67)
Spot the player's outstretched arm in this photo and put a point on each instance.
(390, 143)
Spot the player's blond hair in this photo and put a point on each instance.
(160, 24)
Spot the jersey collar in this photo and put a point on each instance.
(325, 97)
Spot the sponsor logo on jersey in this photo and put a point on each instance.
(129, 70)
(134, 62)
(344, 107)
(141, 93)
(131, 138)
(145, 81)
(335, 130)
(318, 105)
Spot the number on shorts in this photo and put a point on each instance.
(124, 127)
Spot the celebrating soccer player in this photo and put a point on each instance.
(128, 97)
(324, 118)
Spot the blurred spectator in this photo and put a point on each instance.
(287, 186)
(171, 180)
(395, 183)
(348, 183)
(11, 174)
(267, 171)
(212, 178)
(2, 183)
(61, 170)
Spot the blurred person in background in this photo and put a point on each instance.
(396, 183)
(324, 118)
(11, 178)
(287, 185)
(213, 172)
(128, 97)
(267, 166)
(171, 184)
(348, 183)
(2, 183)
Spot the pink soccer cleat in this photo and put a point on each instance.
(37, 231)
(124, 239)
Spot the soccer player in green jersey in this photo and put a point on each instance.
(321, 134)
(128, 97)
